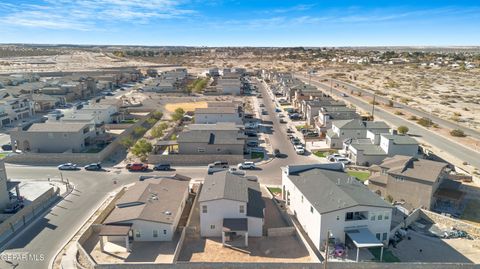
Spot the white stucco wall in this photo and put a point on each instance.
(165, 231)
(217, 210)
(316, 225)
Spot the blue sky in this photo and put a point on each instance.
(241, 23)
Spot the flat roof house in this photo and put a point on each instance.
(220, 138)
(212, 115)
(418, 183)
(352, 128)
(151, 209)
(230, 206)
(326, 200)
(54, 137)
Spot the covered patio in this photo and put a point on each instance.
(165, 145)
(234, 230)
(363, 238)
(114, 234)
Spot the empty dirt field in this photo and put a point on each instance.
(187, 106)
(265, 249)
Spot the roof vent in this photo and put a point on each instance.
(167, 213)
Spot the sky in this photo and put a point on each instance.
(279, 23)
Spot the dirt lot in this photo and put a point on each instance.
(265, 249)
(423, 248)
(190, 106)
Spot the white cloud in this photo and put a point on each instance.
(87, 15)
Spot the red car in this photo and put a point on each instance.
(137, 167)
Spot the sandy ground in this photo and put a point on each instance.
(264, 249)
(452, 94)
(422, 248)
(188, 106)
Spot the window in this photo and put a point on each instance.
(372, 217)
(212, 226)
(380, 217)
(204, 209)
(155, 233)
(378, 236)
(349, 216)
(242, 209)
(302, 198)
(164, 231)
(386, 216)
(384, 236)
(311, 209)
(137, 233)
(219, 149)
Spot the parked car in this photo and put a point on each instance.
(277, 109)
(333, 157)
(264, 112)
(137, 167)
(67, 166)
(93, 167)
(246, 165)
(252, 143)
(251, 125)
(343, 160)
(222, 164)
(296, 141)
(13, 208)
(7, 147)
(250, 133)
(236, 171)
(294, 116)
(262, 105)
(276, 153)
(344, 95)
(283, 121)
(299, 149)
(162, 167)
(289, 130)
(217, 166)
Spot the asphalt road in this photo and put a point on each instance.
(50, 232)
(416, 112)
(445, 145)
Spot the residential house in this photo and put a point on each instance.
(151, 209)
(310, 108)
(211, 115)
(327, 201)
(55, 137)
(328, 114)
(353, 128)
(231, 86)
(377, 146)
(17, 108)
(220, 138)
(45, 102)
(414, 182)
(231, 205)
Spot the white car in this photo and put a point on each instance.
(299, 149)
(67, 166)
(333, 157)
(251, 125)
(246, 165)
(235, 171)
(343, 160)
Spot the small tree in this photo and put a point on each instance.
(390, 103)
(178, 114)
(142, 148)
(157, 132)
(163, 125)
(127, 142)
(139, 130)
(157, 115)
(403, 129)
(389, 198)
(151, 121)
(457, 133)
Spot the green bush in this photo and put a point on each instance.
(402, 129)
(425, 122)
(457, 133)
(142, 148)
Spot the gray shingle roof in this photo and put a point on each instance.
(359, 124)
(412, 167)
(330, 190)
(156, 200)
(224, 185)
(401, 139)
(369, 149)
(60, 127)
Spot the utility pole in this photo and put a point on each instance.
(373, 107)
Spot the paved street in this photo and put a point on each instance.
(52, 231)
(430, 137)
